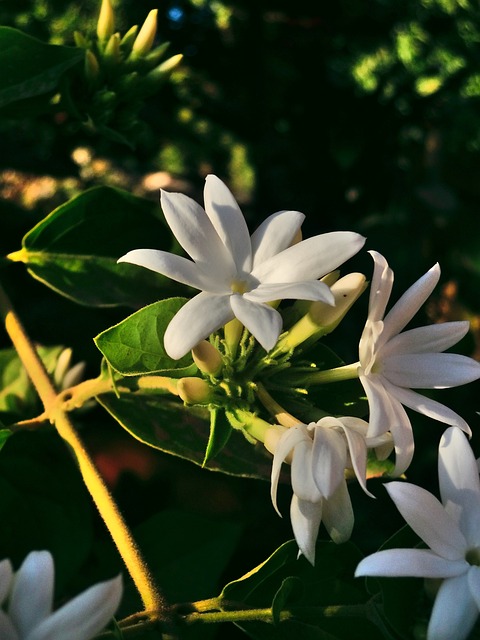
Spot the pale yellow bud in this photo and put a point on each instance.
(106, 21)
(194, 390)
(345, 291)
(323, 318)
(112, 50)
(144, 40)
(92, 68)
(207, 357)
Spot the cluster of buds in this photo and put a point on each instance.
(119, 73)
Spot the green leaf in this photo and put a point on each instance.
(220, 432)
(18, 398)
(31, 67)
(74, 250)
(134, 346)
(290, 590)
(167, 425)
(4, 436)
(43, 503)
(326, 601)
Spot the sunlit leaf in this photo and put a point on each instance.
(135, 345)
(75, 249)
(220, 432)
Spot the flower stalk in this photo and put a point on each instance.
(104, 502)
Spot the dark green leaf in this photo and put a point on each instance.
(31, 67)
(168, 425)
(43, 503)
(290, 590)
(135, 345)
(220, 432)
(331, 603)
(75, 249)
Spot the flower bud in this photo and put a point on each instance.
(92, 68)
(207, 358)
(323, 318)
(156, 77)
(144, 40)
(129, 38)
(194, 390)
(153, 58)
(345, 291)
(112, 49)
(106, 21)
(80, 40)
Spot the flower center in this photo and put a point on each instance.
(473, 556)
(239, 286)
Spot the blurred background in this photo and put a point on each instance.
(364, 115)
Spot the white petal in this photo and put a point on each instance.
(84, 616)
(305, 518)
(263, 322)
(474, 584)
(408, 305)
(432, 338)
(311, 258)
(459, 483)
(402, 435)
(31, 598)
(430, 370)
(380, 288)
(225, 215)
(385, 409)
(195, 321)
(7, 630)
(358, 452)
(195, 232)
(287, 442)
(275, 234)
(177, 268)
(454, 612)
(329, 457)
(427, 517)
(6, 575)
(311, 290)
(427, 406)
(417, 563)
(303, 483)
(338, 515)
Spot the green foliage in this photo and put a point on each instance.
(135, 346)
(165, 424)
(31, 68)
(75, 249)
(322, 602)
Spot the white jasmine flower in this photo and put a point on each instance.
(452, 533)
(319, 454)
(27, 597)
(238, 274)
(394, 363)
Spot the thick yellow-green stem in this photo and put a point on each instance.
(94, 482)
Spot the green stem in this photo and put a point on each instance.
(106, 506)
(347, 372)
(281, 416)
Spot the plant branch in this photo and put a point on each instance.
(106, 506)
